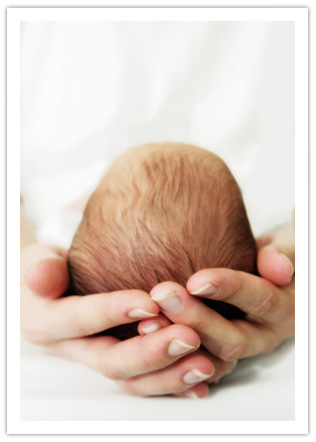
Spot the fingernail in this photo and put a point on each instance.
(191, 395)
(168, 301)
(289, 262)
(177, 347)
(151, 328)
(207, 289)
(194, 375)
(139, 313)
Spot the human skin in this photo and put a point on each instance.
(270, 312)
(65, 325)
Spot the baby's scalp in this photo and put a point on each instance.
(160, 179)
(162, 212)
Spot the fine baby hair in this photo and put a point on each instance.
(161, 212)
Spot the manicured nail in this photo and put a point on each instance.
(139, 313)
(177, 348)
(191, 395)
(193, 376)
(289, 262)
(207, 289)
(168, 301)
(151, 328)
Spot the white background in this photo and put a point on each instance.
(227, 86)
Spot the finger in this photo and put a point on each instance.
(284, 241)
(276, 258)
(274, 266)
(139, 355)
(174, 379)
(199, 391)
(227, 339)
(264, 338)
(78, 316)
(218, 335)
(44, 271)
(150, 325)
(195, 370)
(252, 294)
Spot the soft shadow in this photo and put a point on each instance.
(247, 370)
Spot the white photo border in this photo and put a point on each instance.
(14, 17)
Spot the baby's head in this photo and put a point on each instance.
(162, 212)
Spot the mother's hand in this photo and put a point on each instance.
(268, 301)
(164, 362)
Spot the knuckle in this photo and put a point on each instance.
(150, 361)
(235, 351)
(129, 387)
(264, 306)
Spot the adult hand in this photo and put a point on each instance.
(164, 362)
(268, 301)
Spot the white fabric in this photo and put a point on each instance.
(91, 90)
(260, 389)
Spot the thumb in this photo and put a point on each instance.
(44, 270)
(276, 257)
